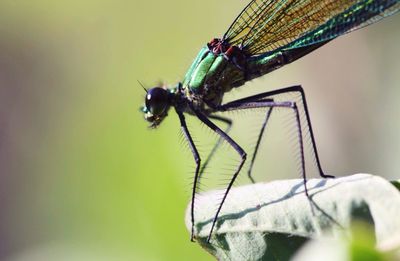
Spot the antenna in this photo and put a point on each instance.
(142, 86)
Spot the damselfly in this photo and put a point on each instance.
(265, 36)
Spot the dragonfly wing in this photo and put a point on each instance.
(353, 19)
(269, 25)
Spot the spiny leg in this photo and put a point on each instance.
(298, 89)
(260, 135)
(301, 145)
(214, 149)
(241, 152)
(236, 147)
(197, 159)
(260, 103)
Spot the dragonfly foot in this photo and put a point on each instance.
(308, 195)
(326, 176)
(252, 179)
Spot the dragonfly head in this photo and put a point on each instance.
(157, 104)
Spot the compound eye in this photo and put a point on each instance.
(157, 100)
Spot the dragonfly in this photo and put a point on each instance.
(266, 35)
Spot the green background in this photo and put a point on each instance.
(81, 175)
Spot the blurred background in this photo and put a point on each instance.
(81, 175)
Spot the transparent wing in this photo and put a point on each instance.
(353, 19)
(267, 25)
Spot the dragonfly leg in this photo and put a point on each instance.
(292, 89)
(197, 159)
(214, 149)
(262, 103)
(300, 90)
(236, 147)
(260, 135)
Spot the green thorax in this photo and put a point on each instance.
(210, 76)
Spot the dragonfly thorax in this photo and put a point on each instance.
(217, 69)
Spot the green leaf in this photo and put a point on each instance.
(271, 221)
(396, 183)
(360, 247)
